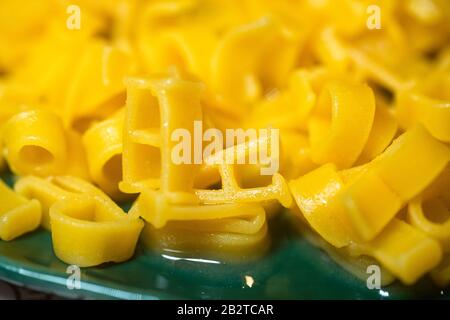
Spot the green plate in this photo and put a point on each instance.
(291, 269)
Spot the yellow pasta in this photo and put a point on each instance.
(242, 83)
(137, 100)
(341, 123)
(88, 231)
(37, 143)
(416, 255)
(232, 192)
(18, 215)
(429, 212)
(97, 86)
(156, 209)
(427, 102)
(161, 100)
(103, 143)
(312, 193)
(51, 190)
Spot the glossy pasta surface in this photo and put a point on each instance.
(212, 116)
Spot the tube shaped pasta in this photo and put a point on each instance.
(35, 143)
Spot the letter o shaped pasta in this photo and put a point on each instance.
(35, 143)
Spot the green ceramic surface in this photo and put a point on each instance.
(291, 269)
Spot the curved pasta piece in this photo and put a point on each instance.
(244, 82)
(50, 55)
(398, 171)
(189, 48)
(341, 123)
(51, 190)
(87, 231)
(42, 190)
(18, 215)
(433, 114)
(360, 209)
(383, 132)
(96, 82)
(331, 50)
(314, 194)
(103, 144)
(288, 109)
(375, 197)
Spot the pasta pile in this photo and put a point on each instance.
(88, 108)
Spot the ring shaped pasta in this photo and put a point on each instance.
(341, 123)
(430, 211)
(189, 49)
(417, 215)
(35, 143)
